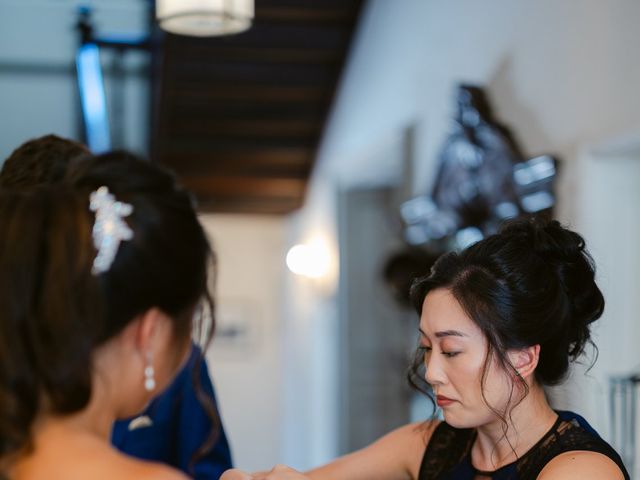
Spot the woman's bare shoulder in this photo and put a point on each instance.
(160, 472)
(98, 462)
(581, 465)
(416, 435)
(131, 468)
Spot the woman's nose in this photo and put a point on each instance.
(434, 375)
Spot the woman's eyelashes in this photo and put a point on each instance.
(427, 350)
(450, 354)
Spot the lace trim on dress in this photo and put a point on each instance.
(448, 455)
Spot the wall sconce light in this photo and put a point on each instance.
(203, 18)
(308, 260)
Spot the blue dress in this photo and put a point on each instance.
(448, 454)
(174, 426)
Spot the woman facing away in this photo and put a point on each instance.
(498, 322)
(100, 286)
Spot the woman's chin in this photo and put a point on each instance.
(458, 420)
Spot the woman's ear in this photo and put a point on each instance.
(525, 360)
(146, 328)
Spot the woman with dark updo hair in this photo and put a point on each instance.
(498, 322)
(102, 284)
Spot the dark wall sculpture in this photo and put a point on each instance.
(482, 180)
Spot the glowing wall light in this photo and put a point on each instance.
(309, 260)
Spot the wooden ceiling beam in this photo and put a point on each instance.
(235, 165)
(302, 128)
(278, 157)
(241, 116)
(225, 185)
(219, 144)
(272, 35)
(254, 74)
(266, 172)
(189, 91)
(234, 111)
(339, 13)
(255, 205)
(258, 54)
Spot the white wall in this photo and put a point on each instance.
(558, 72)
(561, 73)
(248, 369)
(610, 220)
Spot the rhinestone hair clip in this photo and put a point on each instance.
(109, 229)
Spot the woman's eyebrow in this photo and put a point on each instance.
(445, 333)
(450, 333)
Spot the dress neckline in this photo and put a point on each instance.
(544, 437)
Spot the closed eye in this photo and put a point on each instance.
(450, 354)
(425, 350)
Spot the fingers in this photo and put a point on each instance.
(235, 474)
(280, 472)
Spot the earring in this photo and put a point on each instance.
(149, 375)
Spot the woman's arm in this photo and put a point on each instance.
(396, 456)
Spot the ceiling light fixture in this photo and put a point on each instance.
(204, 18)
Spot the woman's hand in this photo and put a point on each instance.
(235, 474)
(279, 472)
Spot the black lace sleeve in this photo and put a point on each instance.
(447, 455)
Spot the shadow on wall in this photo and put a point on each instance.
(507, 104)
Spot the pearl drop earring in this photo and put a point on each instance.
(149, 376)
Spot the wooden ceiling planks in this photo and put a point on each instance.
(239, 118)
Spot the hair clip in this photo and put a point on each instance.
(109, 228)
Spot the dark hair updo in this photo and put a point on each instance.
(55, 312)
(531, 283)
(166, 264)
(40, 161)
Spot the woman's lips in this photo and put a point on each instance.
(443, 401)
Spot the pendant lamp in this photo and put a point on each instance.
(203, 18)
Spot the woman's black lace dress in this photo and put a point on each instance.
(448, 455)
